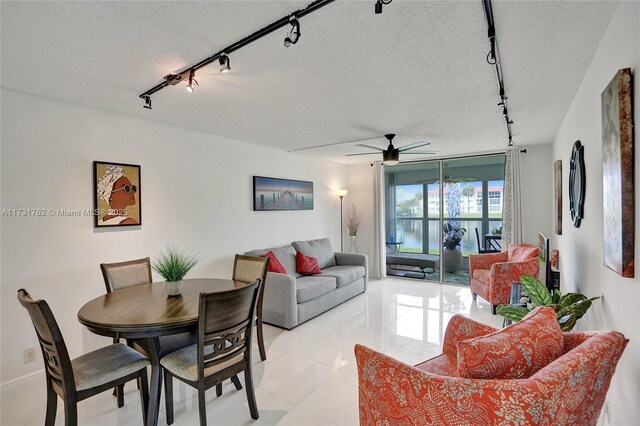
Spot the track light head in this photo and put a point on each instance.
(147, 102)
(379, 4)
(294, 34)
(510, 142)
(192, 80)
(225, 63)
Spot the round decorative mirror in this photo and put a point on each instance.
(577, 184)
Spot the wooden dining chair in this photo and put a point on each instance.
(121, 275)
(223, 350)
(248, 269)
(85, 376)
(482, 249)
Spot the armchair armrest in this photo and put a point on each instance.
(484, 261)
(391, 392)
(462, 328)
(280, 303)
(503, 274)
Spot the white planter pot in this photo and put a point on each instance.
(174, 288)
(451, 259)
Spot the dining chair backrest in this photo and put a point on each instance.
(126, 274)
(225, 321)
(478, 240)
(54, 351)
(250, 268)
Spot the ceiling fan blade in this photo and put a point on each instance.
(371, 147)
(363, 153)
(419, 152)
(334, 144)
(413, 145)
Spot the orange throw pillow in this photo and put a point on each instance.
(515, 352)
(274, 263)
(306, 264)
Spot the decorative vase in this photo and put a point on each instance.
(451, 259)
(353, 248)
(173, 288)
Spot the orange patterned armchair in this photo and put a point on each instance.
(567, 391)
(492, 274)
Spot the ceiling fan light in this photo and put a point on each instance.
(390, 157)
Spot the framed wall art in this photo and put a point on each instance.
(557, 187)
(617, 175)
(281, 194)
(116, 194)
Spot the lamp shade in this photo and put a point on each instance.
(341, 192)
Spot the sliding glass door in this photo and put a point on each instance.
(441, 211)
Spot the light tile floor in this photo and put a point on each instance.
(310, 376)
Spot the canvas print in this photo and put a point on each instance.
(281, 194)
(116, 194)
(617, 175)
(557, 186)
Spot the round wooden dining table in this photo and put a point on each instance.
(146, 311)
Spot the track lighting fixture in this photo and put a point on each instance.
(224, 63)
(493, 58)
(294, 34)
(379, 4)
(192, 80)
(222, 56)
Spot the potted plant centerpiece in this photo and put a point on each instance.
(172, 264)
(452, 255)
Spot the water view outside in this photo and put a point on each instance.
(463, 207)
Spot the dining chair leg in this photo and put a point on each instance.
(251, 397)
(168, 396)
(71, 413)
(263, 353)
(202, 408)
(52, 406)
(120, 395)
(143, 385)
(219, 389)
(236, 382)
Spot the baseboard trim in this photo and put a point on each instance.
(21, 380)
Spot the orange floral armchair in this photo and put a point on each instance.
(492, 274)
(568, 391)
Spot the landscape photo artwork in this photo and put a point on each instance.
(116, 194)
(281, 194)
(617, 175)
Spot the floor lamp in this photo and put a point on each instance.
(341, 193)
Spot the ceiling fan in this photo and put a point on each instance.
(391, 155)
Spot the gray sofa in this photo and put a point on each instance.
(292, 298)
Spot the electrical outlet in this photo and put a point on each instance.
(29, 354)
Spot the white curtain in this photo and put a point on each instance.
(378, 260)
(512, 203)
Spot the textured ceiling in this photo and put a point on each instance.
(417, 70)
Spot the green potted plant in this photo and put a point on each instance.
(172, 264)
(569, 307)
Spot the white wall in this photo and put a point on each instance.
(581, 260)
(196, 191)
(536, 171)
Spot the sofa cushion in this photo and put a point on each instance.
(285, 254)
(320, 249)
(306, 265)
(519, 252)
(274, 263)
(313, 286)
(344, 274)
(514, 352)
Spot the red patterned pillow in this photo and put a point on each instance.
(306, 264)
(515, 352)
(274, 263)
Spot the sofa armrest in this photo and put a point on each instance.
(484, 261)
(280, 303)
(356, 259)
(462, 328)
(391, 392)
